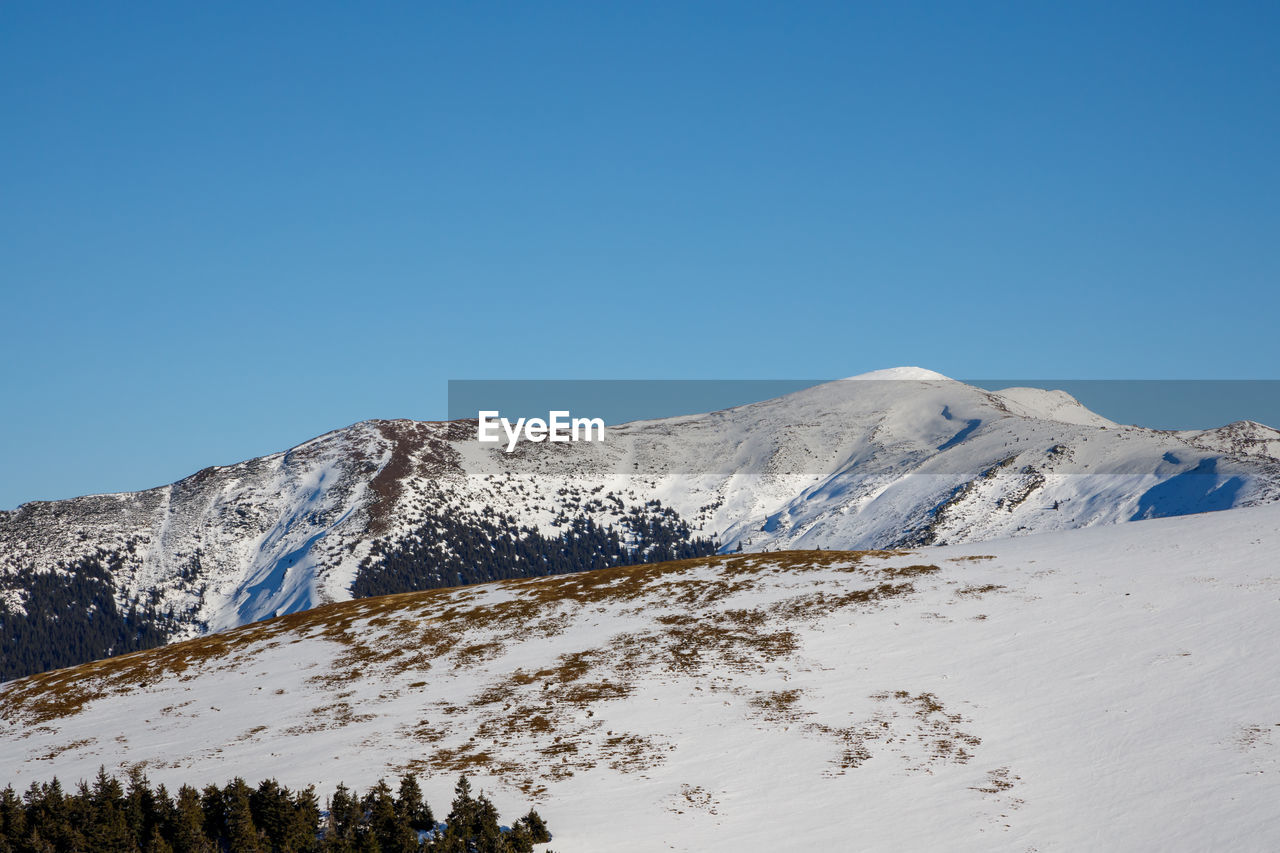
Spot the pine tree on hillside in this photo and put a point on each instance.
(242, 836)
(270, 808)
(410, 804)
(109, 827)
(300, 836)
(187, 831)
(536, 826)
(13, 819)
(388, 825)
(472, 824)
(141, 808)
(345, 816)
(215, 818)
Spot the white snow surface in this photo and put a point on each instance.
(902, 373)
(1111, 688)
(1050, 406)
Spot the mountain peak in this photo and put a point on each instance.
(900, 373)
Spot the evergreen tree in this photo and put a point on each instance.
(37, 843)
(388, 825)
(13, 820)
(242, 834)
(345, 816)
(215, 815)
(272, 811)
(412, 807)
(472, 824)
(140, 808)
(304, 819)
(109, 827)
(187, 833)
(536, 827)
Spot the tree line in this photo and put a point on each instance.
(455, 549)
(132, 817)
(69, 616)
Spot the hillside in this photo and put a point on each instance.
(896, 458)
(1108, 688)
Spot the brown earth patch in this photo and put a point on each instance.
(398, 638)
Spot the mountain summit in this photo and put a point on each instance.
(918, 374)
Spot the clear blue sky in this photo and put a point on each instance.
(227, 227)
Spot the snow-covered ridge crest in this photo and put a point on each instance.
(1050, 405)
(917, 374)
(901, 457)
(1242, 438)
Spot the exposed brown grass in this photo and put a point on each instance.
(975, 591)
(998, 781)
(416, 447)
(904, 721)
(550, 713)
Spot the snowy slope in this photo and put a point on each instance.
(894, 458)
(1102, 689)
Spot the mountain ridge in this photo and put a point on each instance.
(875, 461)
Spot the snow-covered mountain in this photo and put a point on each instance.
(1242, 438)
(1102, 689)
(896, 458)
